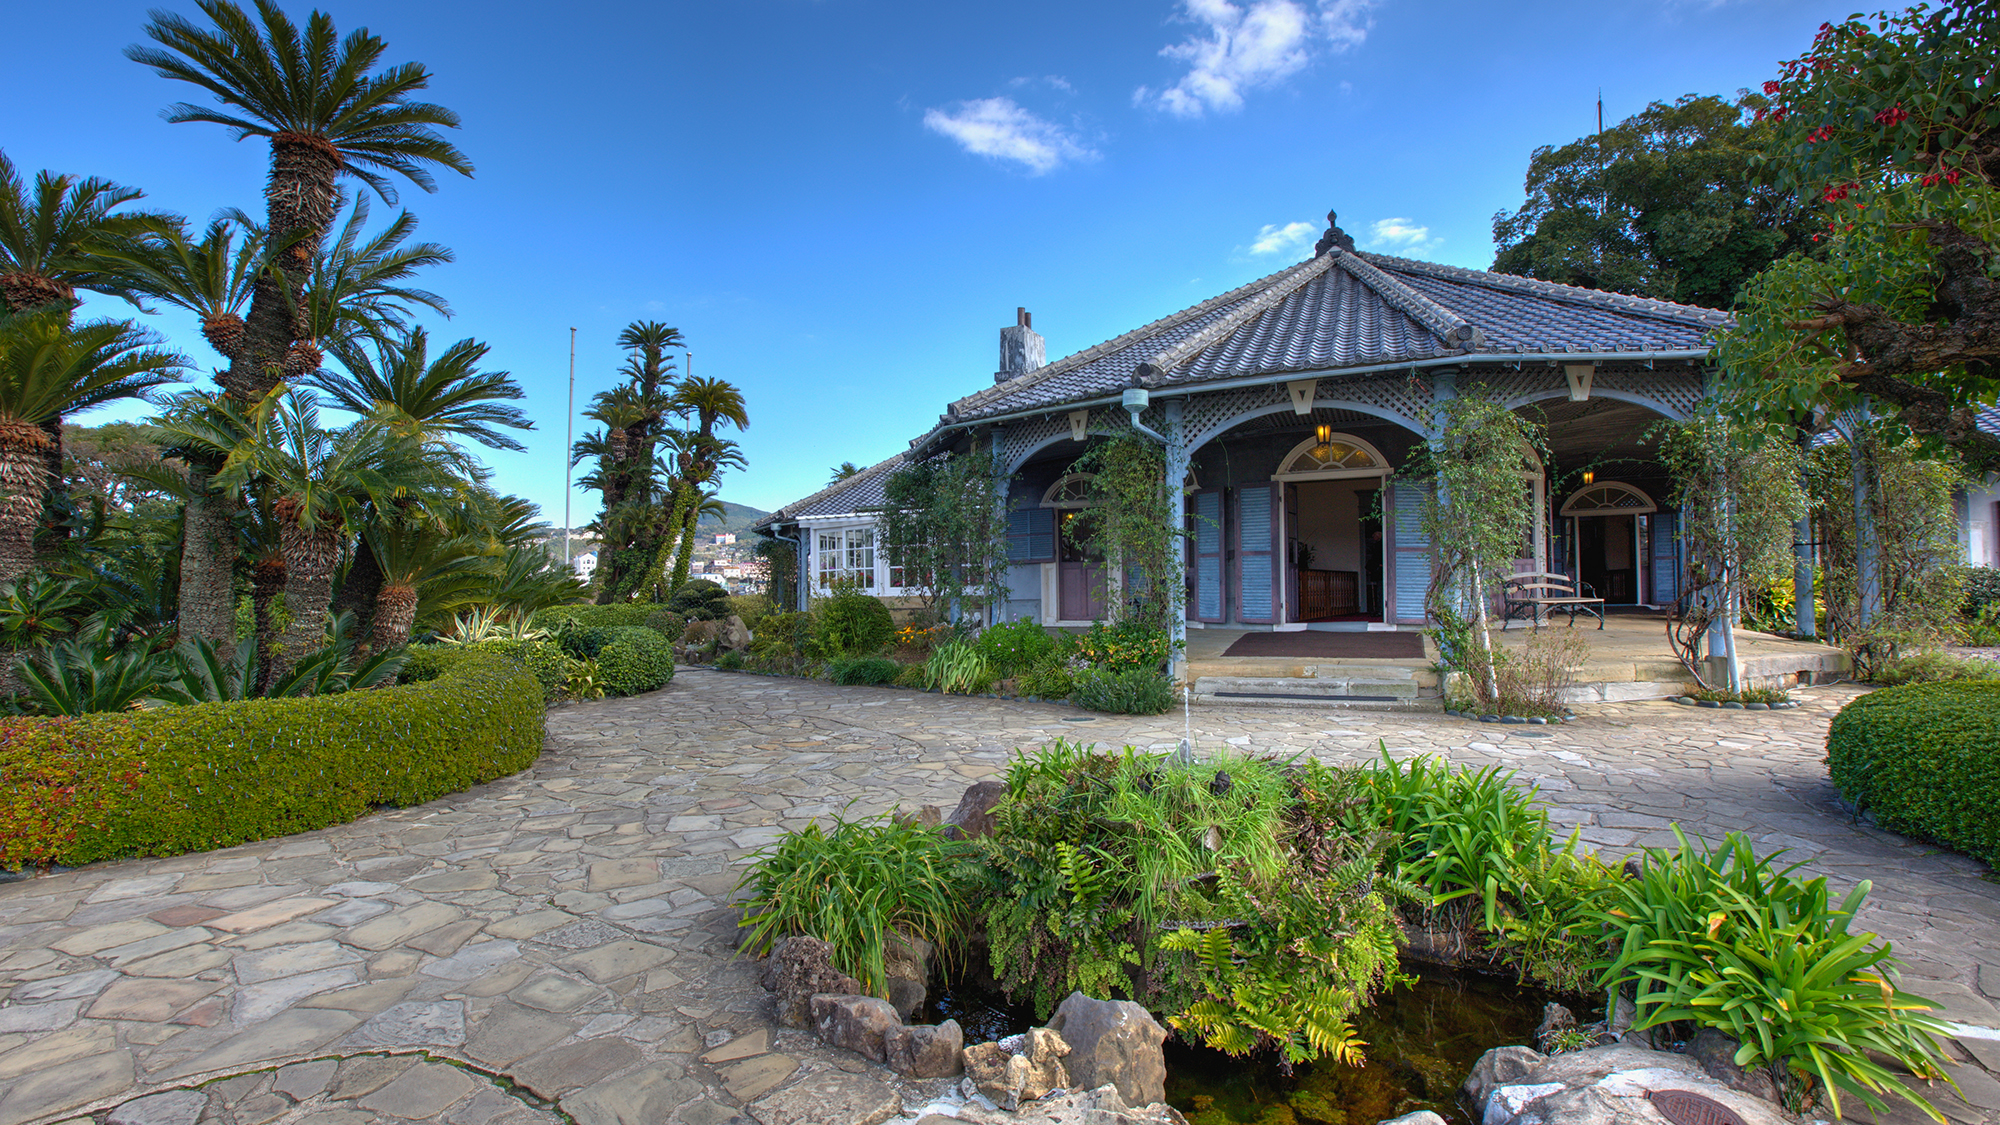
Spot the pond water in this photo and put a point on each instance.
(1422, 1041)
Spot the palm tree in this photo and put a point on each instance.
(413, 551)
(358, 288)
(843, 471)
(319, 479)
(49, 368)
(712, 402)
(47, 234)
(316, 97)
(212, 433)
(402, 386)
(211, 278)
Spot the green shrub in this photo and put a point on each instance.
(1924, 760)
(1982, 588)
(545, 660)
(1932, 667)
(731, 661)
(700, 600)
(784, 643)
(667, 623)
(852, 886)
(633, 660)
(959, 667)
(1134, 691)
(1048, 680)
(863, 670)
(912, 676)
(212, 775)
(751, 608)
(853, 625)
(1126, 645)
(596, 616)
(1720, 938)
(1012, 647)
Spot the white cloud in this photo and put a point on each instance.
(999, 128)
(1400, 234)
(1290, 238)
(1240, 47)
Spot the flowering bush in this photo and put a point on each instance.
(1126, 645)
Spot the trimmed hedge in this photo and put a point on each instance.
(634, 660)
(1924, 760)
(547, 662)
(853, 625)
(863, 670)
(597, 616)
(211, 775)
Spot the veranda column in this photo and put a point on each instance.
(1867, 542)
(1176, 459)
(1805, 613)
(996, 609)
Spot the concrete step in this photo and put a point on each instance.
(1375, 693)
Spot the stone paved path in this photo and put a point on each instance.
(559, 940)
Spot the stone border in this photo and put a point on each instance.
(1714, 705)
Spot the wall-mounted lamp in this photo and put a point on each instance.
(1324, 433)
(1589, 476)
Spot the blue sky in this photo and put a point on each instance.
(841, 202)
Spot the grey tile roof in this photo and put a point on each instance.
(1348, 309)
(861, 492)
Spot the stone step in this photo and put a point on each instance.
(1381, 693)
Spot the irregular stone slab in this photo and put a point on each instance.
(924, 1051)
(644, 1097)
(473, 961)
(509, 1033)
(634, 871)
(291, 1033)
(149, 1001)
(58, 1050)
(505, 979)
(400, 926)
(371, 997)
(262, 1001)
(284, 933)
(553, 993)
(359, 889)
(741, 1047)
(269, 914)
(528, 925)
(180, 963)
(445, 940)
(175, 1107)
(618, 960)
(353, 911)
(75, 1083)
(39, 1017)
(453, 882)
(438, 1023)
(159, 943)
(185, 915)
(421, 1093)
(853, 1099)
(1116, 1042)
(755, 1077)
(574, 1066)
(300, 1081)
(369, 1073)
(109, 936)
(145, 886)
(798, 969)
(582, 935)
(64, 987)
(291, 960)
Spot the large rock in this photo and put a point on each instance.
(1716, 1052)
(858, 1023)
(974, 814)
(1599, 1086)
(924, 1051)
(1420, 1117)
(798, 969)
(907, 963)
(733, 636)
(1116, 1042)
(1010, 1077)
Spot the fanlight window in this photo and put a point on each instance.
(1333, 453)
(1072, 491)
(1608, 498)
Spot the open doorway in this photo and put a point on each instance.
(1333, 530)
(1611, 540)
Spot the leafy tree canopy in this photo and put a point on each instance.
(1664, 204)
(1889, 127)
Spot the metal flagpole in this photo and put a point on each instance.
(569, 439)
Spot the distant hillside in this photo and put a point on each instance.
(740, 519)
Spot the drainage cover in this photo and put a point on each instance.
(1078, 719)
(1683, 1108)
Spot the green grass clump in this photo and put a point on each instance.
(863, 670)
(1134, 691)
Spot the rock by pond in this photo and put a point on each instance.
(1597, 1086)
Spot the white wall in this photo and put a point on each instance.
(1982, 523)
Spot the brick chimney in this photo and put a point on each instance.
(1021, 348)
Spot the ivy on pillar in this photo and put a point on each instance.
(1176, 459)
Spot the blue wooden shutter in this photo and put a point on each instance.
(1206, 558)
(1031, 535)
(1411, 551)
(1666, 558)
(1257, 553)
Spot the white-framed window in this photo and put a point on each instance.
(847, 554)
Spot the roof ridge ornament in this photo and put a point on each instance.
(1334, 238)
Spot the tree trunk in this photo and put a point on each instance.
(395, 612)
(656, 573)
(267, 581)
(208, 566)
(310, 558)
(360, 591)
(300, 197)
(24, 479)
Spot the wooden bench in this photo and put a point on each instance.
(1536, 594)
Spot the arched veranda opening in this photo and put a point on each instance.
(1606, 502)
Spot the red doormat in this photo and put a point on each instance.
(1313, 643)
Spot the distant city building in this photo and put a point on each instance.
(724, 539)
(585, 565)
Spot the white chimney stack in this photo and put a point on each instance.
(1021, 347)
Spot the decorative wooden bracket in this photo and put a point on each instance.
(1079, 424)
(1579, 375)
(1303, 392)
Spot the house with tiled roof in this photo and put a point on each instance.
(1285, 407)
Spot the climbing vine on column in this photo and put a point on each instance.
(1129, 518)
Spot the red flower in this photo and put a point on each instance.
(1951, 177)
(1930, 180)
(1773, 87)
(1894, 115)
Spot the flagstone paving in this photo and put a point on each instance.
(560, 940)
